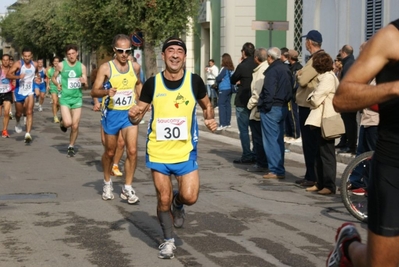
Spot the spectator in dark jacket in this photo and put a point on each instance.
(349, 139)
(243, 76)
(292, 126)
(273, 107)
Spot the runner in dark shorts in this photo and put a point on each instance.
(379, 59)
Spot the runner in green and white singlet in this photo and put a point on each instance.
(52, 88)
(73, 76)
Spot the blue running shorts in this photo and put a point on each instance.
(21, 98)
(178, 169)
(115, 120)
(41, 86)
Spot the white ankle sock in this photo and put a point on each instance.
(128, 187)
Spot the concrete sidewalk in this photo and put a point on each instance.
(234, 133)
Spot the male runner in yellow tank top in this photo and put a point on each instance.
(173, 136)
(125, 87)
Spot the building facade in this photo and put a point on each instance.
(223, 26)
(347, 22)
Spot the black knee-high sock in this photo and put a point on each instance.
(166, 221)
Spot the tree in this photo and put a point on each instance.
(159, 19)
(48, 25)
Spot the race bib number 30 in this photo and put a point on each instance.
(74, 83)
(169, 129)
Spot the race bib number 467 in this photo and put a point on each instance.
(123, 98)
(169, 129)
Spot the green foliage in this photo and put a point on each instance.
(48, 25)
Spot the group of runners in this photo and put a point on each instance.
(172, 134)
(23, 82)
(172, 130)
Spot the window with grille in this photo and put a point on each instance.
(298, 9)
(373, 17)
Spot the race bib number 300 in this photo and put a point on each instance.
(74, 83)
(169, 129)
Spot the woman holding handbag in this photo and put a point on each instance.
(225, 92)
(322, 108)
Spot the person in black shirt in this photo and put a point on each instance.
(172, 136)
(348, 140)
(243, 75)
(292, 128)
(380, 59)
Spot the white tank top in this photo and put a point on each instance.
(25, 85)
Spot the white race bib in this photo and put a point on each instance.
(123, 98)
(74, 83)
(25, 88)
(169, 129)
(4, 88)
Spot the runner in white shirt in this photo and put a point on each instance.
(24, 72)
(212, 71)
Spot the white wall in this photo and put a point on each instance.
(236, 20)
(391, 11)
(341, 22)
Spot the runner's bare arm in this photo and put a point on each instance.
(137, 112)
(83, 79)
(57, 71)
(47, 79)
(103, 74)
(354, 92)
(96, 104)
(11, 73)
(139, 84)
(209, 115)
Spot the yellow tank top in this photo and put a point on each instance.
(173, 129)
(124, 83)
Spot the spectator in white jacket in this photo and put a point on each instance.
(212, 72)
(321, 106)
(258, 79)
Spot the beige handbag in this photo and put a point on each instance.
(332, 127)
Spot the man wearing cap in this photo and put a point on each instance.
(307, 82)
(173, 136)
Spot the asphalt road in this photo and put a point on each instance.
(52, 214)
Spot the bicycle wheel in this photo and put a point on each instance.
(356, 204)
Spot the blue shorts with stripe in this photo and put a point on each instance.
(115, 120)
(177, 169)
(21, 98)
(41, 86)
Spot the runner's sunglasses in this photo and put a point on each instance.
(121, 50)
